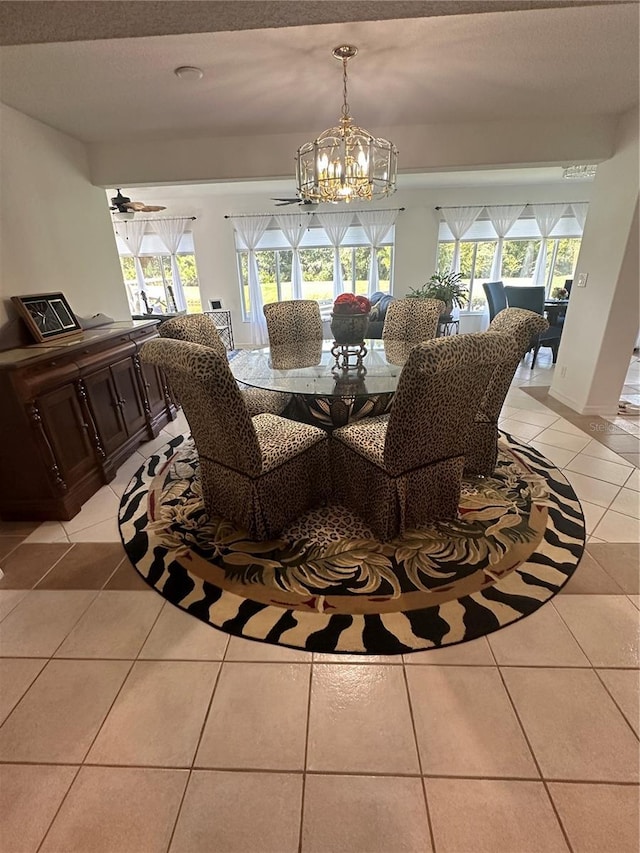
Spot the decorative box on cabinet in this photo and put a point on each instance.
(71, 414)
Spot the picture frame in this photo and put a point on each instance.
(47, 316)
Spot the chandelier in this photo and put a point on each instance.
(579, 172)
(346, 162)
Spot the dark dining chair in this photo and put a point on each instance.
(496, 299)
(532, 298)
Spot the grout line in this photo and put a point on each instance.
(57, 812)
(417, 746)
(613, 699)
(305, 759)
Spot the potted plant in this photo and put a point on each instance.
(445, 286)
(350, 319)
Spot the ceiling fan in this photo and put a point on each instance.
(284, 201)
(123, 204)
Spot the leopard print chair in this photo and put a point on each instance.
(522, 327)
(260, 472)
(412, 320)
(293, 322)
(200, 329)
(404, 470)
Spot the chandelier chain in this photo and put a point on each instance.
(345, 103)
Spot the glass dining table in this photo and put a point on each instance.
(323, 392)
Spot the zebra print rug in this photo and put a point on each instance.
(328, 585)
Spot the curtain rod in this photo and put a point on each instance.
(511, 204)
(302, 213)
(156, 219)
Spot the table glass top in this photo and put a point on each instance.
(310, 369)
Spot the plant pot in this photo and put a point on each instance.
(349, 329)
(446, 315)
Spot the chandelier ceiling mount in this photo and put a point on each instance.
(346, 162)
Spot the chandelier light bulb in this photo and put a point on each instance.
(346, 162)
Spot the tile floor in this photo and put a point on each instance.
(135, 727)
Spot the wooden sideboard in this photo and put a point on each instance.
(71, 413)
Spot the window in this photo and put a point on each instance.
(158, 276)
(519, 253)
(275, 260)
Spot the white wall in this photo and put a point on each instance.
(602, 320)
(416, 232)
(55, 227)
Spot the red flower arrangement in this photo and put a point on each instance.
(348, 303)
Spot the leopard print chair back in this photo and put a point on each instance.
(438, 395)
(213, 405)
(292, 322)
(521, 327)
(412, 320)
(194, 328)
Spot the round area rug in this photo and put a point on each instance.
(328, 585)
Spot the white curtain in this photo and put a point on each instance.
(376, 225)
(294, 228)
(503, 218)
(547, 216)
(132, 231)
(170, 232)
(580, 209)
(459, 220)
(250, 230)
(336, 226)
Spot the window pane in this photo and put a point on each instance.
(286, 287)
(346, 259)
(445, 256)
(267, 276)
(484, 259)
(244, 282)
(363, 256)
(385, 265)
(317, 272)
(566, 259)
(190, 282)
(518, 261)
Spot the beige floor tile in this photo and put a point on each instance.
(48, 531)
(353, 707)
(9, 599)
(41, 621)
(610, 472)
(17, 528)
(560, 456)
(382, 814)
(125, 473)
(492, 816)
(158, 715)
(29, 798)
(25, 565)
(102, 506)
(573, 726)
(635, 600)
(606, 626)
(563, 425)
(589, 489)
(598, 818)
(541, 419)
(240, 649)
(465, 724)
(323, 657)
(541, 639)
(239, 813)
(590, 578)
(123, 809)
(61, 713)
(634, 480)
(520, 430)
(566, 440)
(250, 700)
(473, 653)
(627, 502)
(597, 449)
(84, 566)
(180, 636)
(616, 527)
(104, 531)
(126, 577)
(115, 626)
(16, 676)
(592, 515)
(621, 561)
(624, 686)
(7, 545)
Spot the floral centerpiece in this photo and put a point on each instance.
(350, 319)
(559, 293)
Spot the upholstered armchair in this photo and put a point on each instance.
(403, 470)
(200, 329)
(482, 449)
(412, 320)
(260, 472)
(293, 321)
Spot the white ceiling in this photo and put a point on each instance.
(458, 69)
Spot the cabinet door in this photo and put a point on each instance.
(104, 401)
(153, 387)
(129, 399)
(67, 433)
